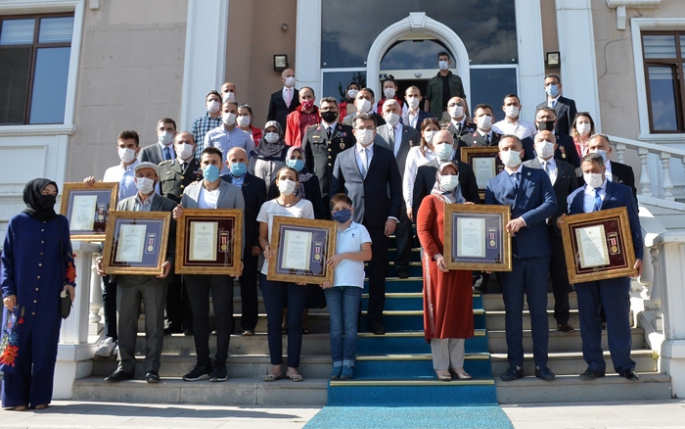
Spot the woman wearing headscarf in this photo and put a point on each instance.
(447, 294)
(37, 265)
(269, 157)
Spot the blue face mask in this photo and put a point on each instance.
(211, 173)
(238, 169)
(552, 90)
(342, 216)
(296, 164)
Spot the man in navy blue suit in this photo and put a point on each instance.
(530, 195)
(414, 115)
(599, 194)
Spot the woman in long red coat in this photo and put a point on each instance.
(447, 294)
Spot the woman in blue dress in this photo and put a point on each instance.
(37, 264)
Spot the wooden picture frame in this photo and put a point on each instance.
(146, 239)
(484, 161)
(476, 237)
(301, 249)
(87, 208)
(598, 245)
(197, 230)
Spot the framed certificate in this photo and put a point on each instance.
(209, 242)
(476, 237)
(136, 243)
(301, 248)
(87, 208)
(598, 245)
(485, 163)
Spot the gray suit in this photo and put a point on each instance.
(132, 288)
(153, 153)
(410, 138)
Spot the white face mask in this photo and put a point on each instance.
(511, 112)
(228, 96)
(511, 158)
(484, 122)
(213, 106)
(228, 119)
(389, 92)
(391, 118)
(413, 102)
(165, 137)
(583, 128)
(243, 121)
(363, 105)
(593, 180)
(428, 136)
(145, 185)
(449, 182)
(184, 151)
(443, 65)
(364, 137)
(290, 81)
(352, 93)
(126, 155)
(271, 137)
(286, 187)
(544, 149)
(443, 151)
(602, 153)
(456, 111)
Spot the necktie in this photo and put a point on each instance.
(487, 139)
(365, 161)
(546, 167)
(554, 103)
(516, 181)
(459, 129)
(329, 132)
(167, 154)
(288, 96)
(598, 201)
(391, 135)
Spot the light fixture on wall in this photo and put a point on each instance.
(280, 62)
(553, 60)
(284, 27)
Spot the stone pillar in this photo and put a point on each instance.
(531, 57)
(308, 46)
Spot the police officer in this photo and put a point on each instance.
(323, 142)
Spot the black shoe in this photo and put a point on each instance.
(402, 273)
(199, 372)
(512, 374)
(173, 328)
(219, 373)
(564, 327)
(187, 332)
(118, 376)
(545, 374)
(591, 374)
(152, 377)
(248, 333)
(377, 328)
(630, 374)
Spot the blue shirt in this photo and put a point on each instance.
(225, 140)
(238, 181)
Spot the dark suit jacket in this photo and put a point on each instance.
(173, 179)
(410, 138)
(254, 194)
(312, 192)
(379, 120)
(321, 153)
(565, 184)
(382, 187)
(566, 113)
(617, 195)
(566, 151)
(534, 201)
(620, 173)
(425, 180)
(468, 128)
(422, 115)
(475, 139)
(278, 111)
(153, 154)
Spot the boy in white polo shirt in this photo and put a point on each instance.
(352, 249)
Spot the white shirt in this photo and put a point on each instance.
(552, 168)
(207, 199)
(369, 154)
(348, 272)
(412, 118)
(171, 149)
(303, 210)
(415, 159)
(607, 164)
(520, 128)
(555, 100)
(589, 196)
(123, 175)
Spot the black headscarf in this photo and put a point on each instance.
(41, 207)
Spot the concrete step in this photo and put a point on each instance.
(412, 320)
(494, 302)
(572, 363)
(570, 388)
(494, 320)
(242, 391)
(411, 342)
(559, 342)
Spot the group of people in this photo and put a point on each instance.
(375, 169)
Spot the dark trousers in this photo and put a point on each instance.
(178, 308)
(528, 276)
(109, 302)
(376, 271)
(221, 287)
(559, 276)
(274, 294)
(403, 238)
(614, 295)
(248, 291)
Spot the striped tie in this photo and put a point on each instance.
(288, 96)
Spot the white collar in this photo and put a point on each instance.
(369, 148)
(550, 161)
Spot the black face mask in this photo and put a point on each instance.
(546, 126)
(47, 202)
(329, 116)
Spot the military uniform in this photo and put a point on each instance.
(173, 178)
(476, 139)
(458, 135)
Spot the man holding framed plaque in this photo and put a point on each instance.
(613, 294)
(530, 195)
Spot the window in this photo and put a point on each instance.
(34, 54)
(664, 62)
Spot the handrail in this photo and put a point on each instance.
(650, 146)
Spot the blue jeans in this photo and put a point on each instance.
(343, 309)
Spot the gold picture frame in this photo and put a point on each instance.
(87, 208)
(608, 242)
(485, 163)
(139, 256)
(483, 228)
(224, 258)
(301, 249)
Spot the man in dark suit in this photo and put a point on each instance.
(284, 101)
(546, 119)
(254, 194)
(414, 115)
(399, 139)
(484, 134)
(529, 194)
(565, 108)
(323, 142)
(562, 175)
(366, 172)
(598, 193)
(615, 171)
(163, 150)
(364, 103)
